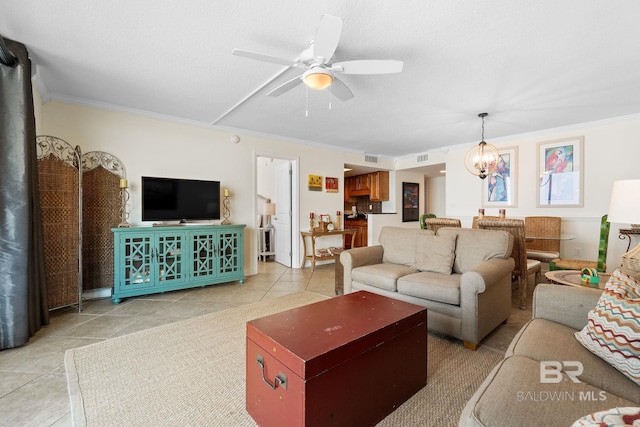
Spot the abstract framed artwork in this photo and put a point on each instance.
(314, 182)
(410, 201)
(331, 185)
(499, 189)
(560, 173)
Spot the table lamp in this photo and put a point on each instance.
(268, 210)
(624, 208)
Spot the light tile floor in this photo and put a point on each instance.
(33, 390)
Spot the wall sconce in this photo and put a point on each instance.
(482, 160)
(124, 200)
(268, 210)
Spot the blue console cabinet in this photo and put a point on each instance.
(151, 260)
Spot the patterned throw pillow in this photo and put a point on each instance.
(613, 328)
(625, 416)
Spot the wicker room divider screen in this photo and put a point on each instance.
(80, 200)
(59, 183)
(101, 200)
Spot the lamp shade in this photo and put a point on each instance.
(269, 209)
(624, 207)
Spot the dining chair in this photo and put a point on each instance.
(523, 266)
(474, 224)
(435, 223)
(546, 232)
(577, 264)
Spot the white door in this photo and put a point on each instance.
(282, 219)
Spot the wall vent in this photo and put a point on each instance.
(422, 158)
(371, 159)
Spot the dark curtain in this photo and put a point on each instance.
(23, 294)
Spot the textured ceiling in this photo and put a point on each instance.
(533, 65)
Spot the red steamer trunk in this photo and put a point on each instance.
(346, 361)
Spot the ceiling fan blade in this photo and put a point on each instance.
(326, 38)
(263, 57)
(286, 86)
(368, 66)
(340, 90)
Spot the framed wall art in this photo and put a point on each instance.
(331, 185)
(410, 201)
(499, 189)
(314, 182)
(560, 173)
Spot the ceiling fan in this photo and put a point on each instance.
(316, 60)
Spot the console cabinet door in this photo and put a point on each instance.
(134, 253)
(204, 251)
(230, 252)
(169, 261)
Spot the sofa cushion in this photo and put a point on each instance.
(431, 286)
(542, 339)
(383, 276)
(613, 328)
(513, 395)
(474, 246)
(400, 244)
(435, 253)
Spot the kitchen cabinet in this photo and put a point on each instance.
(379, 186)
(362, 226)
(374, 185)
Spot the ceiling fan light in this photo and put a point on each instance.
(317, 78)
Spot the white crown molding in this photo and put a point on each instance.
(46, 96)
(36, 79)
(208, 125)
(528, 135)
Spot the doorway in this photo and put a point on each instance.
(277, 184)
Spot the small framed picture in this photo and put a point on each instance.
(331, 185)
(560, 172)
(314, 182)
(499, 188)
(410, 201)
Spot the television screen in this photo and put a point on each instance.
(172, 199)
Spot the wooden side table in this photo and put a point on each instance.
(574, 278)
(313, 235)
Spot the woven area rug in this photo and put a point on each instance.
(192, 373)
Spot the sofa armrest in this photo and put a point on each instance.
(357, 257)
(485, 274)
(567, 305)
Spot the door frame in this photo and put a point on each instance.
(295, 205)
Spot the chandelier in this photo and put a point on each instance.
(482, 159)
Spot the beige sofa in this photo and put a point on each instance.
(513, 394)
(462, 275)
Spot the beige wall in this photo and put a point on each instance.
(611, 150)
(149, 146)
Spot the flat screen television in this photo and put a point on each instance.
(173, 199)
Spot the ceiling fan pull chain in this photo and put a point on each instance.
(330, 97)
(306, 101)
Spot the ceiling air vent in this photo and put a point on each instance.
(371, 159)
(422, 158)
